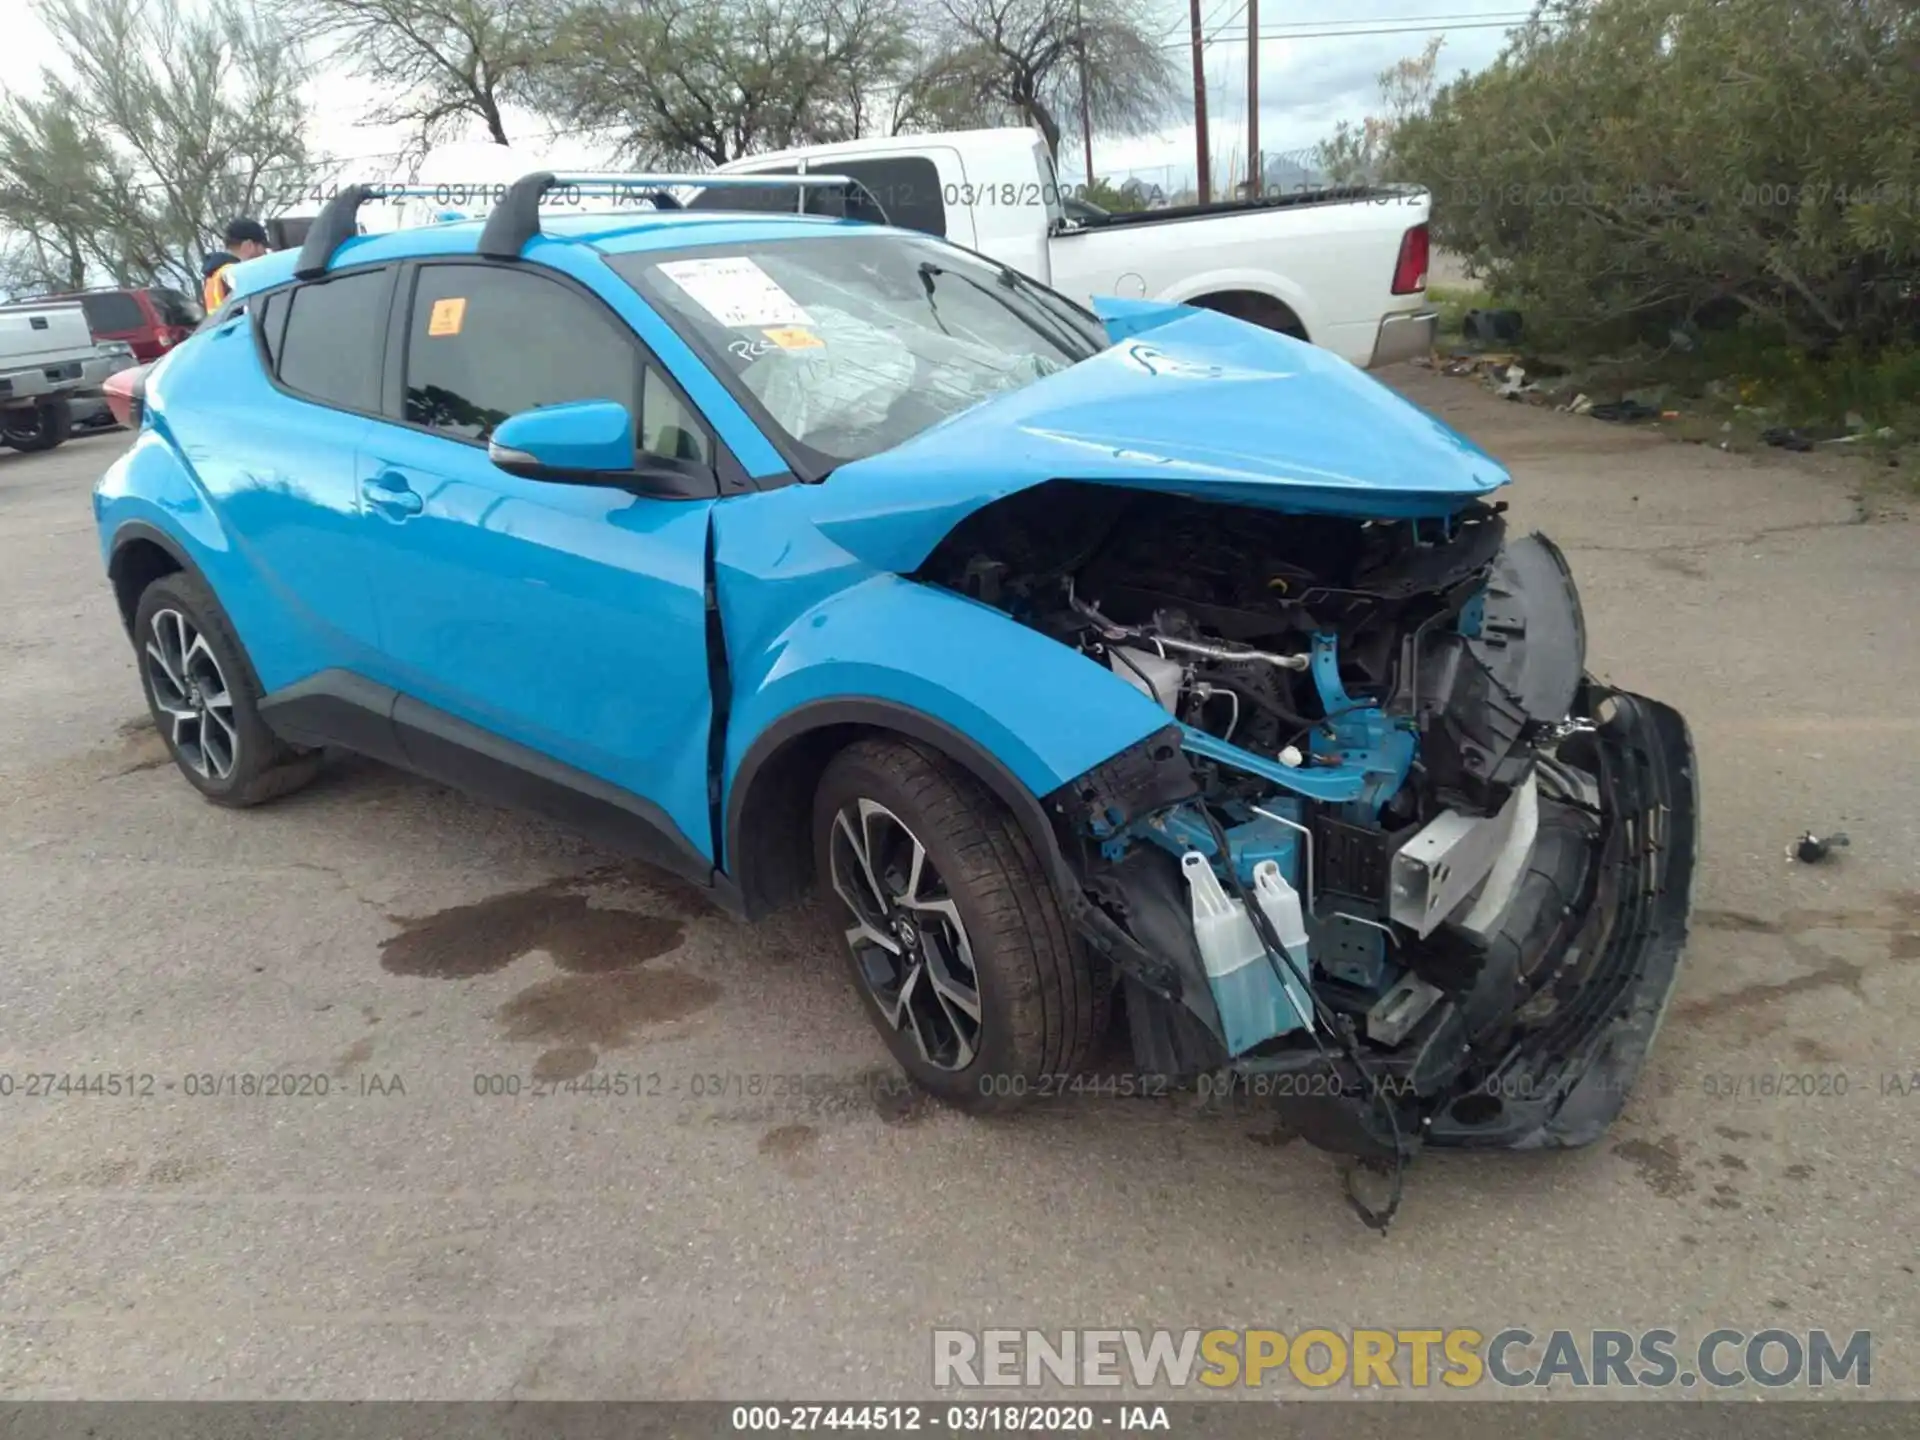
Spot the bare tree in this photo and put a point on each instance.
(173, 122)
(446, 63)
(1353, 154)
(1023, 60)
(703, 82)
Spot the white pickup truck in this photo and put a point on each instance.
(1346, 269)
(46, 354)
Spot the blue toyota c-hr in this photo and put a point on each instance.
(1140, 672)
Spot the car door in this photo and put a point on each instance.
(548, 639)
(284, 388)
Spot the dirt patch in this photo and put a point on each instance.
(788, 1142)
(564, 1062)
(1832, 972)
(603, 1010)
(357, 1053)
(465, 941)
(1659, 1163)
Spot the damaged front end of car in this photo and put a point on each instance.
(1395, 860)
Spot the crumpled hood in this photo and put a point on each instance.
(1203, 405)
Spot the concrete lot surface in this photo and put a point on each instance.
(713, 1234)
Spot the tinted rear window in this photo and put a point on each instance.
(113, 314)
(336, 334)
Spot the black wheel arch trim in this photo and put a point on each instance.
(890, 716)
(1100, 932)
(131, 531)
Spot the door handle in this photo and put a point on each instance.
(389, 493)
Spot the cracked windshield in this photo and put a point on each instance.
(854, 344)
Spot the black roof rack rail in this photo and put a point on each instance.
(339, 221)
(515, 219)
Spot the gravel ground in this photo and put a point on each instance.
(713, 1235)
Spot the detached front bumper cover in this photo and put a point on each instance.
(1565, 1082)
(1567, 1077)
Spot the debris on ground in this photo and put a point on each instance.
(1491, 327)
(1623, 410)
(1785, 437)
(1510, 383)
(1811, 849)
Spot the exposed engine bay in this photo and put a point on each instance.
(1396, 861)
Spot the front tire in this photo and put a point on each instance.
(954, 936)
(205, 700)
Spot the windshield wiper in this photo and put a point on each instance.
(1054, 330)
(927, 271)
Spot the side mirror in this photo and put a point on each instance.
(1129, 317)
(591, 442)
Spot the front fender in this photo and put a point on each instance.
(1044, 712)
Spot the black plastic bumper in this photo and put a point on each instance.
(1562, 1082)
(1565, 1082)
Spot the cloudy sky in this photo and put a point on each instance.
(1319, 62)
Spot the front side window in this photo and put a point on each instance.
(850, 344)
(485, 342)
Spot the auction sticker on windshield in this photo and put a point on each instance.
(736, 291)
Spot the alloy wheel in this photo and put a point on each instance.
(191, 692)
(910, 947)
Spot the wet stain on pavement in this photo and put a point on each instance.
(465, 941)
(1659, 1163)
(603, 1009)
(357, 1053)
(564, 1062)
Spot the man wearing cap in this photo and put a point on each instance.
(246, 239)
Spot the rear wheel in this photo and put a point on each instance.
(37, 427)
(204, 698)
(956, 942)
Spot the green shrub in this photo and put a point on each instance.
(1632, 166)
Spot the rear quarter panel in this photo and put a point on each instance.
(229, 467)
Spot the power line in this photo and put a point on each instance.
(1356, 34)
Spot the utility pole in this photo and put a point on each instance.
(1086, 99)
(1254, 176)
(1203, 178)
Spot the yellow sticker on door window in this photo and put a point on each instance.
(448, 315)
(792, 337)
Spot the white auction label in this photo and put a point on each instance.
(736, 291)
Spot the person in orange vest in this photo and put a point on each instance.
(216, 261)
(246, 239)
